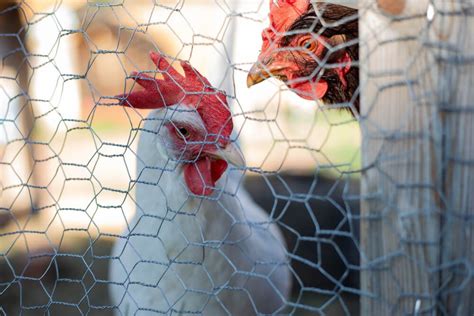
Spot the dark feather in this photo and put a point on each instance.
(328, 20)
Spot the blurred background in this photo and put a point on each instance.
(67, 149)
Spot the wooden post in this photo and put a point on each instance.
(417, 120)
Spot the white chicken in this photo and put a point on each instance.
(197, 245)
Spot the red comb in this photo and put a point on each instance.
(192, 89)
(283, 13)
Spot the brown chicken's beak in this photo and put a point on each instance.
(261, 71)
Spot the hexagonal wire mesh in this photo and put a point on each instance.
(92, 221)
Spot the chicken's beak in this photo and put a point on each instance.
(231, 154)
(264, 69)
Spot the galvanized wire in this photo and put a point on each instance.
(69, 152)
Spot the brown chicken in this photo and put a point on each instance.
(313, 48)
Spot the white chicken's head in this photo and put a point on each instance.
(194, 123)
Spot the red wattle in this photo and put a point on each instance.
(311, 90)
(201, 176)
(218, 167)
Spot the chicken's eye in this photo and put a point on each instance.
(183, 132)
(308, 43)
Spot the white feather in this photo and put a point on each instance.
(186, 255)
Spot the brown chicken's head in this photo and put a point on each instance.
(302, 49)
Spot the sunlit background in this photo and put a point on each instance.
(66, 191)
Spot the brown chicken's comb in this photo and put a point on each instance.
(192, 89)
(283, 13)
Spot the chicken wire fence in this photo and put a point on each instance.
(92, 222)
